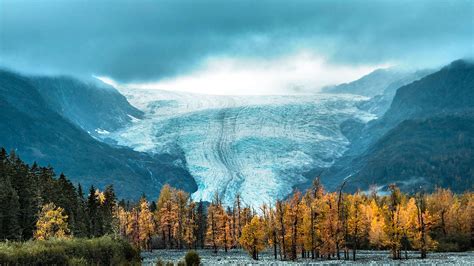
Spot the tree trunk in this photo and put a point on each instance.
(274, 244)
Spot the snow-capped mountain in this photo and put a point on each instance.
(258, 146)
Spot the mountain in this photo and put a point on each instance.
(437, 151)
(29, 125)
(93, 106)
(449, 90)
(380, 103)
(425, 137)
(374, 83)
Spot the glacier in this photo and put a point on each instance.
(257, 146)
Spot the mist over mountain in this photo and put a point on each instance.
(371, 84)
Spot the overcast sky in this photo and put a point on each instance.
(250, 45)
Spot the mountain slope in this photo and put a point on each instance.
(378, 82)
(419, 137)
(38, 133)
(95, 107)
(437, 151)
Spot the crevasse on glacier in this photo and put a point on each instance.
(258, 146)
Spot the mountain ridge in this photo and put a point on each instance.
(419, 106)
(38, 133)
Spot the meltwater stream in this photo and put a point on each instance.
(258, 146)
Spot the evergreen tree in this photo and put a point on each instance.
(9, 211)
(107, 209)
(94, 215)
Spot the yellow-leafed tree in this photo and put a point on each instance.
(52, 223)
(146, 226)
(356, 224)
(422, 239)
(253, 237)
(374, 217)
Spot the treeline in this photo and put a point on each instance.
(34, 202)
(316, 224)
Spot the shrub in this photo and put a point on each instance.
(101, 251)
(192, 258)
(161, 262)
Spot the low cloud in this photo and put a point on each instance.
(299, 73)
(151, 40)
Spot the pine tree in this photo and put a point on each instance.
(9, 211)
(80, 229)
(107, 209)
(95, 219)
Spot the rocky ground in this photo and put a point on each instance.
(240, 257)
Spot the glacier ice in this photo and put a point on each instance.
(258, 146)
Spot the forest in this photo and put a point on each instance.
(37, 206)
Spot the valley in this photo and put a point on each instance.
(258, 146)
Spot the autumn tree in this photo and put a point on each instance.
(280, 211)
(293, 219)
(191, 226)
(374, 216)
(52, 223)
(356, 224)
(252, 238)
(216, 225)
(166, 214)
(393, 225)
(330, 222)
(146, 226)
(425, 220)
(181, 200)
(408, 223)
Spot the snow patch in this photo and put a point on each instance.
(102, 131)
(134, 119)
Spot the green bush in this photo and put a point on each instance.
(192, 258)
(77, 251)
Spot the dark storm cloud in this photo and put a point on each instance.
(143, 40)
